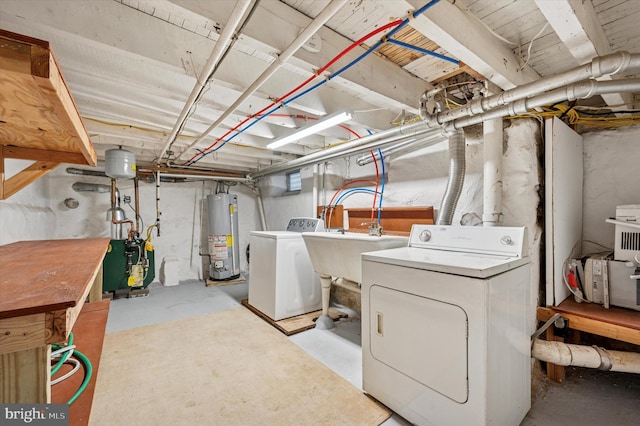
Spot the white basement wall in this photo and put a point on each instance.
(419, 179)
(27, 215)
(38, 212)
(611, 178)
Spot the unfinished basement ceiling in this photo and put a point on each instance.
(132, 64)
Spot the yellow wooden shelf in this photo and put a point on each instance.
(39, 120)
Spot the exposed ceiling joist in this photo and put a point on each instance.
(275, 24)
(468, 41)
(576, 24)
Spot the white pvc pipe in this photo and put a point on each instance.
(585, 356)
(598, 67)
(260, 202)
(469, 115)
(356, 146)
(492, 176)
(221, 45)
(582, 90)
(314, 192)
(331, 9)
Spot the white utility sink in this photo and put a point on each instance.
(334, 254)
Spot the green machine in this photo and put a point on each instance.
(128, 267)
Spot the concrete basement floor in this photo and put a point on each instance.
(586, 398)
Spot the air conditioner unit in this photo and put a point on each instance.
(627, 233)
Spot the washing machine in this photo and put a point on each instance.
(445, 326)
(282, 282)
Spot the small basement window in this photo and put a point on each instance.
(294, 181)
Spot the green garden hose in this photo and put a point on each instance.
(88, 371)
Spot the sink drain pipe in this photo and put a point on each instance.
(586, 356)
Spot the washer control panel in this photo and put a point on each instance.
(305, 224)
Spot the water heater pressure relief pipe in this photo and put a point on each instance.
(113, 211)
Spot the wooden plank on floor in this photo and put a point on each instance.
(296, 324)
(216, 283)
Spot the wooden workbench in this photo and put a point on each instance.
(43, 286)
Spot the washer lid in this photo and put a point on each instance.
(276, 234)
(458, 263)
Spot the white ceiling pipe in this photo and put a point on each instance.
(219, 49)
(356, 146)
(582, 90)
(598, 67)
(492, 176)
(560, 353)
(331, 9)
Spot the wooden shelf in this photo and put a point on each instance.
(614, 323)
(39, 120)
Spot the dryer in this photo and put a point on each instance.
(282, 282)
(445, 326)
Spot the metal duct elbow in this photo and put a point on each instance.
(76, 171)
(456, 178)
(90, 187)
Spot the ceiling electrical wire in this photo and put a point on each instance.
(531, 45)
(204, 89)
(280, 102)
(260, 114)
(573, 116)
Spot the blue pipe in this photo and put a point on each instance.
(353, 191)
(382, 187)
(425, 51)
(335, 74)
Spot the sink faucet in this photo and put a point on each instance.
(375, 230)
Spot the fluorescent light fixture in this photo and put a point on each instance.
(325, 123)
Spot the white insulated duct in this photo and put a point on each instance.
(560, 353)
(331, 9)
(457, 166)
(221, 45)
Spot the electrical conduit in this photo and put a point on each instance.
(398, 25)
(326, 14)
(223, 42)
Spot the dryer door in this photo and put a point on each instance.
(422, 338)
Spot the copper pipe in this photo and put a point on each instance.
(113, 210)
(136, 195)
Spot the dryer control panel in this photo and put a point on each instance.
(305, 224)
(497, 240)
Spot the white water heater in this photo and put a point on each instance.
(223, 236)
